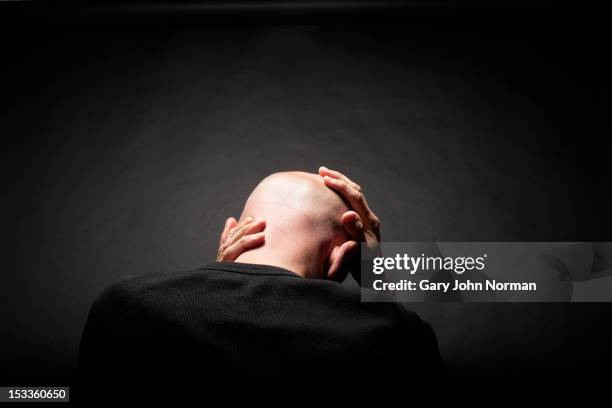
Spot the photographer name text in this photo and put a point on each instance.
(456, 285)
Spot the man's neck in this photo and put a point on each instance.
(262, 256)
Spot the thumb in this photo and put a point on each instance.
(351, 221)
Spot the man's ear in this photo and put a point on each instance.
(338, 260)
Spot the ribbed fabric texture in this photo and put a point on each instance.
(244, 321)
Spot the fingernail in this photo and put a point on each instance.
(359, 225)
(248, 219)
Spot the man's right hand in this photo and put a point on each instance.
(361, 224)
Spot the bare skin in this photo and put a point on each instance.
(309, 228)
(360, 223)
(239, 237)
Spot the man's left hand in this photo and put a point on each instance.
(237, 238)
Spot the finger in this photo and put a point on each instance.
(355, 198)
(229, 224)
(246, 242)
(247, 229)
(324, 171)
(246, 221)
(349, 248)
(353, 225)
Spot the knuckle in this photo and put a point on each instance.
(238, 232)
(358, 187)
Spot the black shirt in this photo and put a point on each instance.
(233, 320)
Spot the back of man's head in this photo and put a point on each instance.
(303, 225)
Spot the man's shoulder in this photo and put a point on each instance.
(138, 291)
(128, 289)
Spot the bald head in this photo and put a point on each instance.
(303, 222)
(297, 200)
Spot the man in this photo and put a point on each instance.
(276, 313)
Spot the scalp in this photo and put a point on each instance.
(300, 193)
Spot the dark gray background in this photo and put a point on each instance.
(125, 148)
